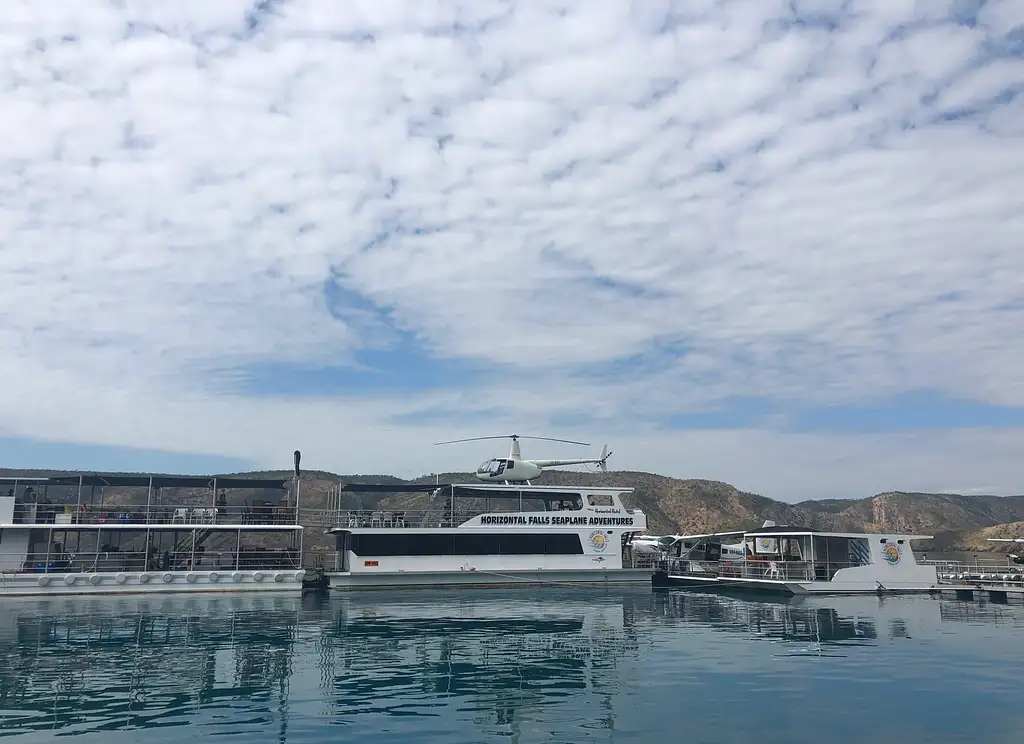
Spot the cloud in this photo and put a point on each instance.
(613, 214)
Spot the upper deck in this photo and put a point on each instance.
(440, 506)
(90, 501)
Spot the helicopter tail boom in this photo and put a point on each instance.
(601, 461)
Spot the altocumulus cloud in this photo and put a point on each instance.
(686, 227)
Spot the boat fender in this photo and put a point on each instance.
(236, 576)
(214, 576)
(168, 578)
(95, 579)
(279, 576)
(69, 579)
(190, 578)
(120, 578)
(143, 578)
(257, 576)
(300, 575)
(44, 580)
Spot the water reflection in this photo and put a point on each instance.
(460, 666)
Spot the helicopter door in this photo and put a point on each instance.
(499, 469)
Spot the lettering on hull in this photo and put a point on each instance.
(490, 520)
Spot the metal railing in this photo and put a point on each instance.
(114, 514)
(94, 561)
(990, 571)
(757, 569)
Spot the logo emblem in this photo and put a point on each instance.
(598, 541)
(766, 544)
(892, 554)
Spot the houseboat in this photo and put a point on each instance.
(97, 533)
(485, 535)
(793, 561)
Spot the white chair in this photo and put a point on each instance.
(773, 571)
(210, 515)
(180, 515)
(198, 515)
(376, 519)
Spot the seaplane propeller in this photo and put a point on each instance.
(514, 469)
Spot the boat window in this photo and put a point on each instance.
(600, 499)
(900, 542)
(510, 464)
(378, 545)
(883, 541)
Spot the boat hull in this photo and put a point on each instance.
(472, 579)
(155, 582)
(663, 580)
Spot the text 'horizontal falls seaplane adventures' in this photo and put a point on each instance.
(514, 469)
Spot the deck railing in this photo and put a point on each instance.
(757, 569)
(991, 571)
(162, 514)
(92, 561)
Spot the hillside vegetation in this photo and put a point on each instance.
(673, 505)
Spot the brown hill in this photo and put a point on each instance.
(674, 505)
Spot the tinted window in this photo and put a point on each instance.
(466, 544)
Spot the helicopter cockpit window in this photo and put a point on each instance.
(485, 467)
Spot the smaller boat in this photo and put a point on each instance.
(796, 561)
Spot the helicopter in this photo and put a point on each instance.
(1018, 559)
(514, 469)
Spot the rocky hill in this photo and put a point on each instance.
(958, 522)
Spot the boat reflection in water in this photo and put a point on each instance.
(485, 665)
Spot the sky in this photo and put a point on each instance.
(774, 243)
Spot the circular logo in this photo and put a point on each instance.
(598, 541)
(766, 544)
(892, 554)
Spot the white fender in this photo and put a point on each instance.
(120, 578)
(236, 576)
(69, 579)
(300, 575)
(257, 576)
(190, 578)
(144, 578)
(279, 576)
(95, 579)
(168, 578)
(214, 576)
(44, 580)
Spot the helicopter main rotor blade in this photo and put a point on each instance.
(549, 439)
(512, 436)
(473, 439)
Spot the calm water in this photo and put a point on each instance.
(558, 665)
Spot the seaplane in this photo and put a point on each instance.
(1018, 559)
(514, 469)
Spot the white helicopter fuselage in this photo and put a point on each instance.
(505, 469)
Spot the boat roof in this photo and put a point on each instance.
(145, 480)
(492, 487)
(804, 532)
(732, 533)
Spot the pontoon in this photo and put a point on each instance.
(106, 533)
(790, 560)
